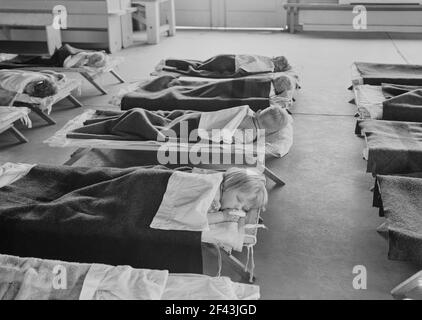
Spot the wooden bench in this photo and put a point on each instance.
(91, 24)
(153, 19)
(12, 15)
(339, 17)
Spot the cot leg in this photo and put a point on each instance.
(43, 116)
(352, 101)
(18, 134)
(91, 80)
(273, 177)
(117, 76)
(75, 101)
(152, 13)
(239, 265)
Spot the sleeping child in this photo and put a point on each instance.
(240, 191)
(66, 56)
(226, 66)
(96, 59)
(40, 84)
(144, 125)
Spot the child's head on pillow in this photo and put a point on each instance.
(272, 119)
(243, 189)
(41, 88)
(281, 64)
(282, 84)
(97, 59)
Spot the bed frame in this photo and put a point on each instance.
(86, 145)
(225, 255)
(90, 74)
(252, 156)
(40, 106)
(9, 126)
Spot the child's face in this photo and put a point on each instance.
(235, 199)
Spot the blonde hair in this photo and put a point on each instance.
(272, 119)
(247, 181)
(281, 64)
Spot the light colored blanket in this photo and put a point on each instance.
(38, 279)
(17, 80)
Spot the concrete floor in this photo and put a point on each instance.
(321, 224)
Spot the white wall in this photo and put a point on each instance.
(231, 13)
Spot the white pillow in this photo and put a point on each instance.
(186, 201)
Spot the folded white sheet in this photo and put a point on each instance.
(369, 101)
(227, 234)
(186, 201)
(11, 172)
(105, 282)
(201, 287)
(32, 278)
(226, 121)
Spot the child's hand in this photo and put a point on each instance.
(230, 217)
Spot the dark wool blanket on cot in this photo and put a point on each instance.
(137, 124)
(170, 93)
(56, 60)
(226, 66)
(378, 73)
(393, 146)
(400, 198)
(404, 107)
(89, 215)
(121, 159)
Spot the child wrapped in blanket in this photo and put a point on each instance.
(96, 59)
(241, 191)
(226, 65)
(144, 125)
(35, 84)
(66, 56)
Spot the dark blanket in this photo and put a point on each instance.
(393, 146)
(401, 201)
(377, 73)
(170, 93)
(56, 60)
(138, 125)
(405, 107)
(97, 215)
(390, 90)
(223, 66)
